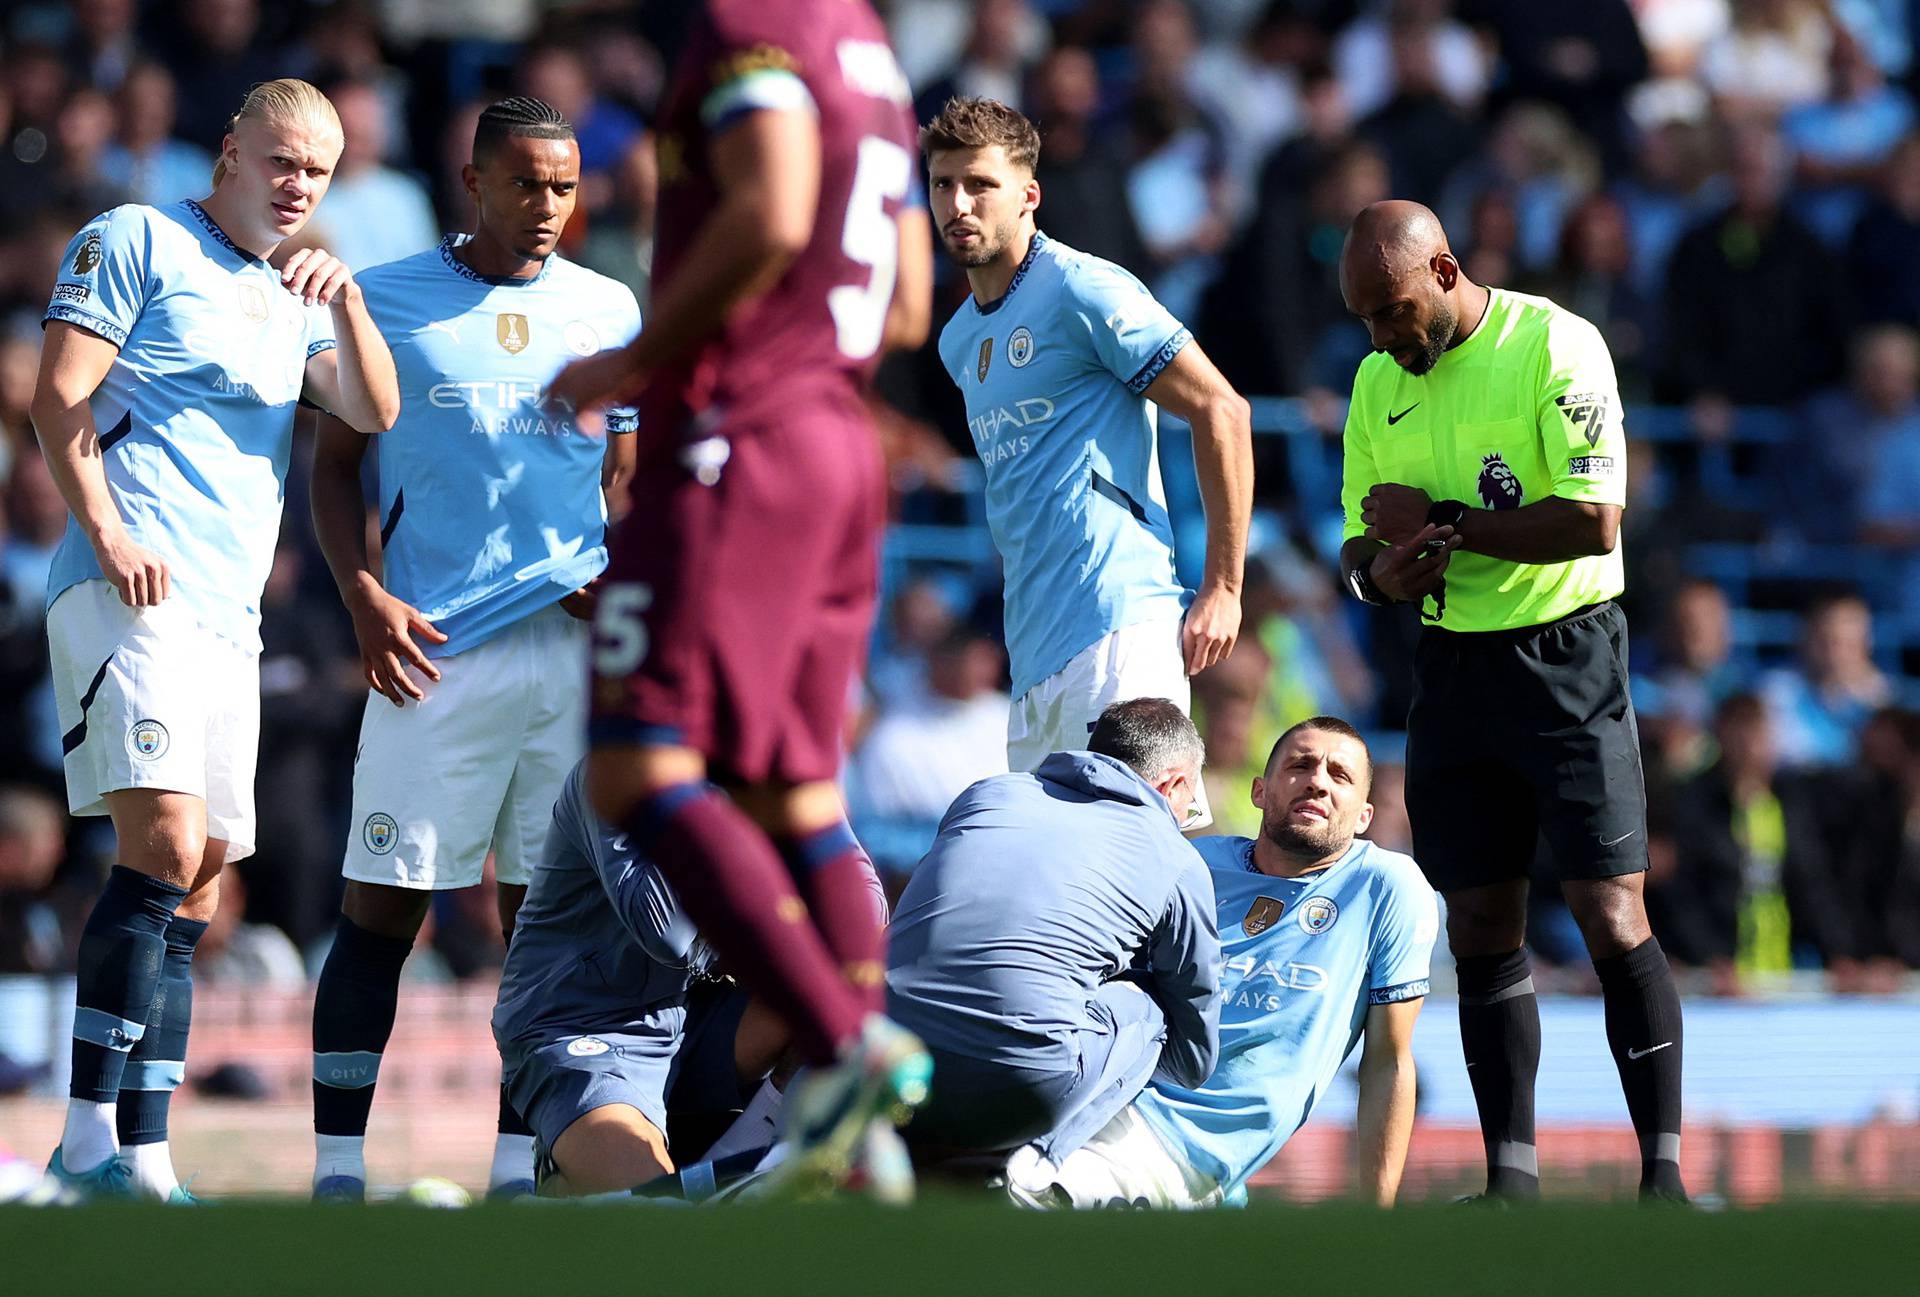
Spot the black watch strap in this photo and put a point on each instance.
(1360, 582)
(1446, 513)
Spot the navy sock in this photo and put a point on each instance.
(159, 1062)
(1500, 1035)
(122, 951)
(353, 1011)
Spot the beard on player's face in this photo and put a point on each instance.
(989, 243)
(1442, 325)
(1313, 841)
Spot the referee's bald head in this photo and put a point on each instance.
(1398, 274)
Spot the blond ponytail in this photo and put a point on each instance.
(287, 101)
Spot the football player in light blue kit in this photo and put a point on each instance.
(1062, 359)
(492, 525)
(1325, 938)
(174, 357)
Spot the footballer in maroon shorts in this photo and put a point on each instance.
(734, 614)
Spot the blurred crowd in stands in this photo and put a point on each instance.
(1730, 189)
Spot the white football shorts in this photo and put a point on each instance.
(1125, 1165)
(1144, 660)
(476, 764)
(150, 698)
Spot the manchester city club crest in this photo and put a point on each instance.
(1262, 914)
(512, 332)
(582, 339)
(1020, 347)
(380, 833)
(587, 1047)
(986, 359)
(147, 739)
(87, 256)
(1499, 486)
(1317, 915)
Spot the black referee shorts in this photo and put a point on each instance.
(1515, 735)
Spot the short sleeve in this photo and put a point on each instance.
(1133, 336)
(1579, 415)
(1358, 473)
(625, 418)
(104, 280)
(320, 336)
(751, 67)
(1404, 930)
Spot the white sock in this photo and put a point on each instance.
(152, 1167)
(90, 1137)
(512, 1160)
(754, 1128)
(339, 1155)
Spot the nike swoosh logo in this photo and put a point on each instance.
(1637, 1054)
(1617, 841)
(1395, 418)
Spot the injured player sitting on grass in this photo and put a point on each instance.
(1324, 937)
(622, 1047)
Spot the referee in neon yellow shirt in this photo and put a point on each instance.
(1485, 474)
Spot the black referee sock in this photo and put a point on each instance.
(1643, 1029)
(1500, 1035)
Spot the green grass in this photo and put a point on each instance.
(958, 1247)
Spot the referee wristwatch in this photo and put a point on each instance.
(1446, 513)
(1360, 582)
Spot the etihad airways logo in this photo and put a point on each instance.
(1249, 983)
(994, 429)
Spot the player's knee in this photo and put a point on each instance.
(386, 911)
(608, 1149)
(160, 834)
(1487, 920)
(792, 809)
(203, 900)
(1611, 913)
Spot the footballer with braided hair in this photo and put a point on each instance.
(493, 514)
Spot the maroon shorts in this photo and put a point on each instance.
(735, 612)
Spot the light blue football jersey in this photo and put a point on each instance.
(1303, 959)
(490, 504)
(196, 413)
(1053, 375)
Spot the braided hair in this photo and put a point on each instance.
(523, 116)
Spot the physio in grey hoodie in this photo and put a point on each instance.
(1058, 943)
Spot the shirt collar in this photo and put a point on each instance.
(220, 236)
(461, 268)
(1033, 249)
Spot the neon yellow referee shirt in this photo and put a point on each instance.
(1527, 407)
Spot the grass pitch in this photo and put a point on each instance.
(957, 1247)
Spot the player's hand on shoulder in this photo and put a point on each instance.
(1394, 513)
(138, 575)
(385, 628)
(317, 277)
(1415, 568)
(1211, 628)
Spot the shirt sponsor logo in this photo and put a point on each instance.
(511, 331)
(147, 740)
(380, 833)
(87, 257)
(1317, 915)
(75, 293)
(1587, 412)
(1591, 465)
(1262, 914)
(1249, 993)
(1499, 486)
(1020, 348)
(989, 425)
